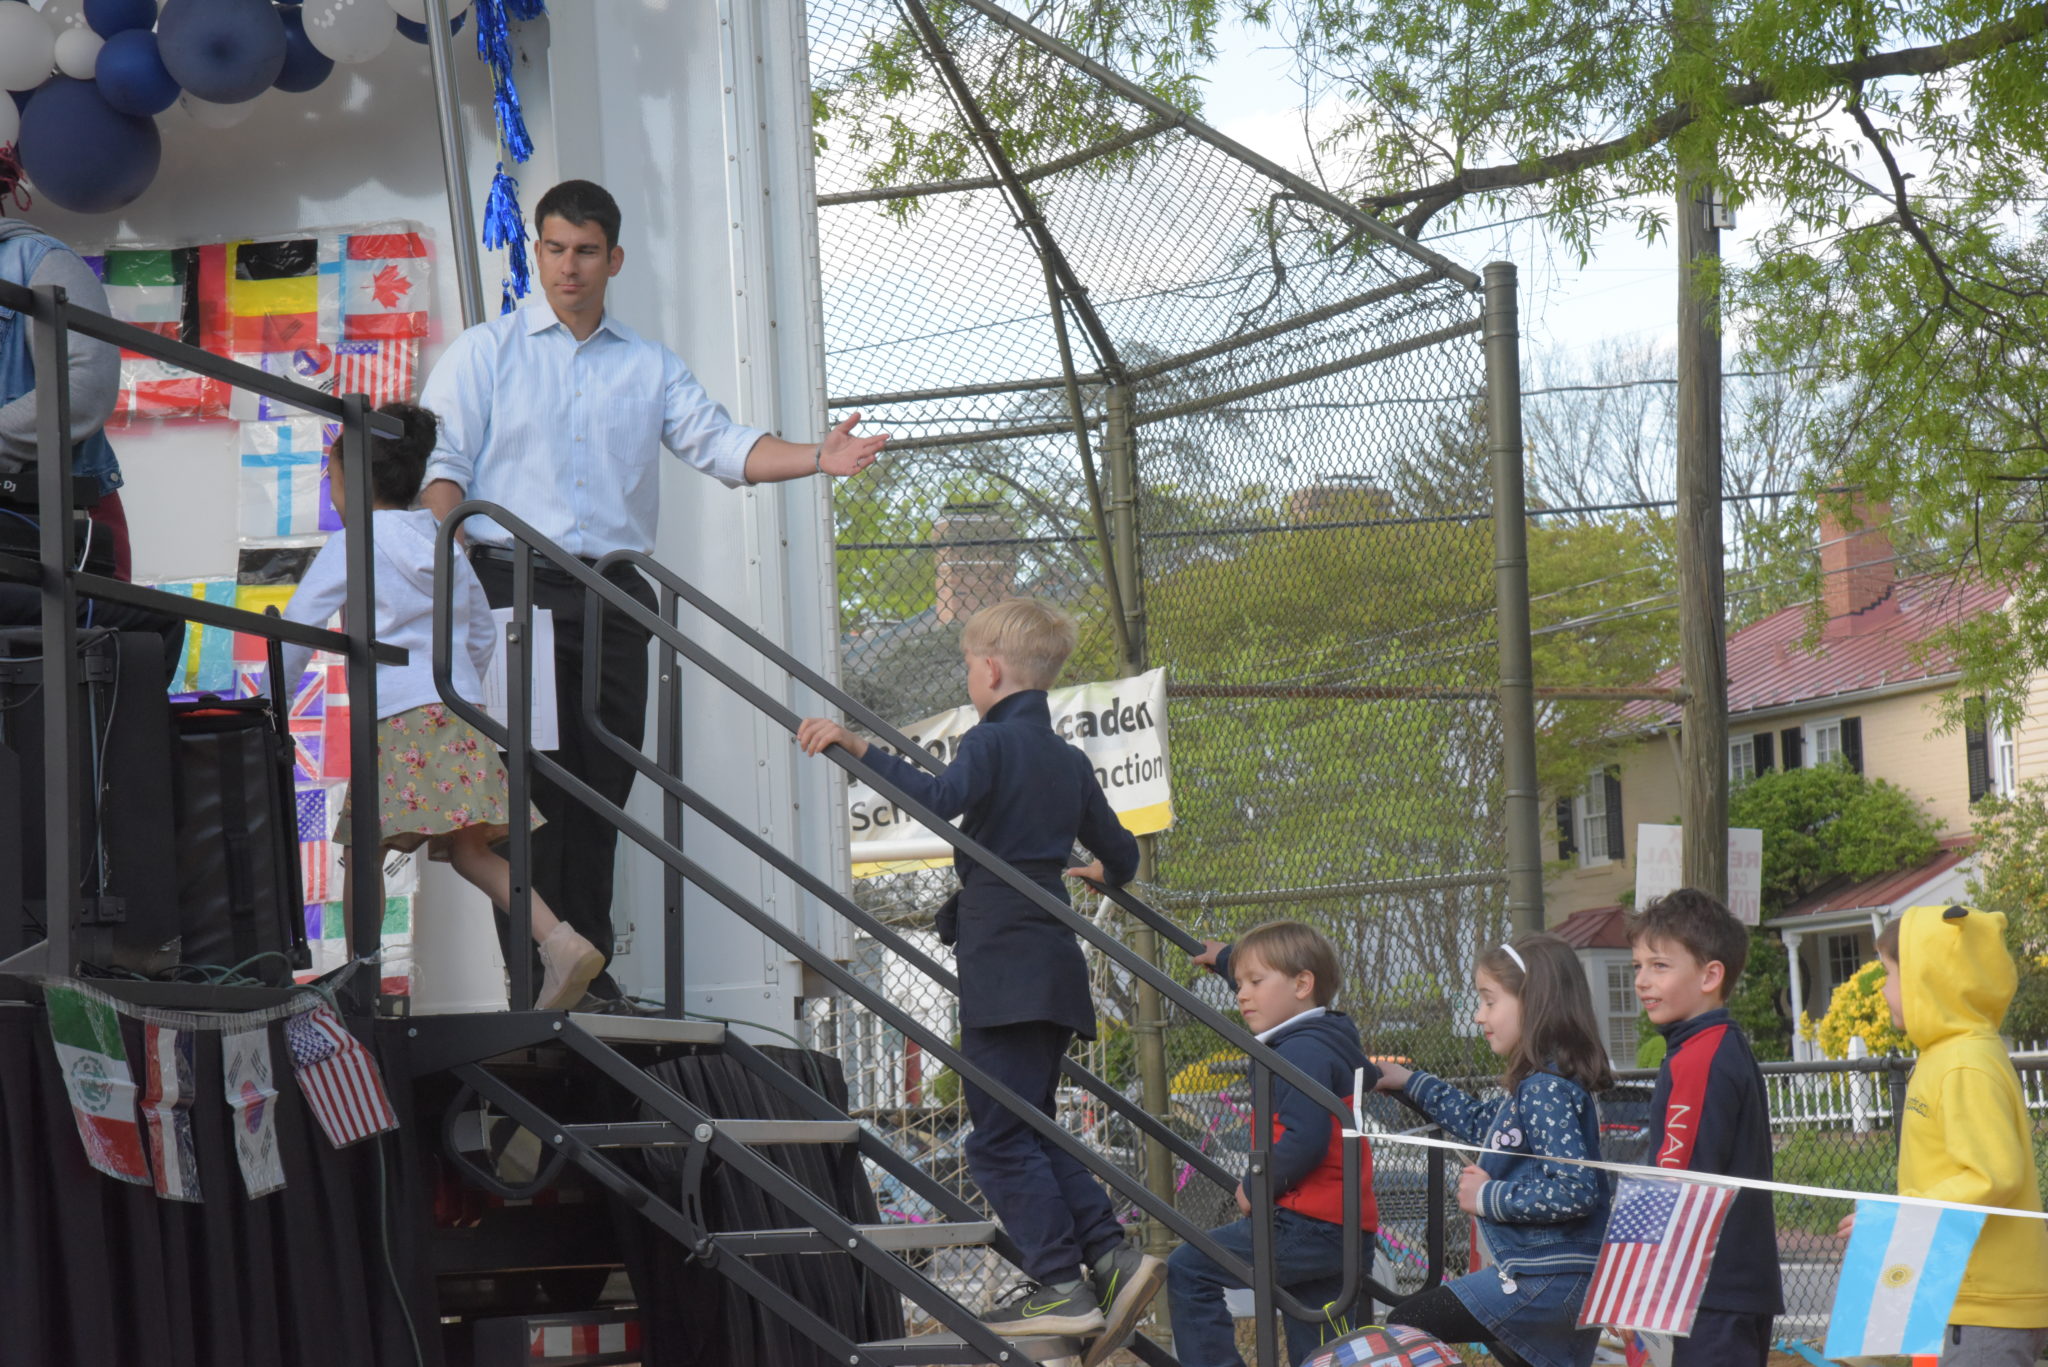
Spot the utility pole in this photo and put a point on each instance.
(1702, 614)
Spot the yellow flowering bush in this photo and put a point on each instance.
(1858, 1008)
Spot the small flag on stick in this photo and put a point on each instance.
(1653, 1264)
(1900, 1275)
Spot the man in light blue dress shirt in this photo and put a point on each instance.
(559, 412)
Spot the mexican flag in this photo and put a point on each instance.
(87, 1037)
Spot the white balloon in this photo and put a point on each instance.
(78, 52)
(28, 49)
(10, 121)
(207, 114)
(62, 15)
(416, 10)
(349, 30)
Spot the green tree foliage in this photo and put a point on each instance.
(2012, 878)
(1829, 821)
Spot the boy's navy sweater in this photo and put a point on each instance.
(1709, 1113)
(1027, 796)
(1308, 1155)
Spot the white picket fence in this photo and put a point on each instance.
(1863, 1101)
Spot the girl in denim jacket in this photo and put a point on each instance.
(1539, 1223)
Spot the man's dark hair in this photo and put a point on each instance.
(580, 202)
(1709, 933)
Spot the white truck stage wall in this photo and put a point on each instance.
(696, 117)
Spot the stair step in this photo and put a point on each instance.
(648, 1029)
(790, 1131)
(897, 1238)
(947, 1348)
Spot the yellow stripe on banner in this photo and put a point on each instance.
(877, 870)
(269, 298)
(1146, 820)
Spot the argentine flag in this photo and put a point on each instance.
(1900, 1275)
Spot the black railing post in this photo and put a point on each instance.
(50, 346)
(365, 917)
(1897, 1070)
(519, 721)
(668, 745)
(1258, 1176)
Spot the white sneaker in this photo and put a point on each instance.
(570, 962)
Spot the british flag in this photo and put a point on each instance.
(308, 725)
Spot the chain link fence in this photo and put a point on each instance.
(1235, 431)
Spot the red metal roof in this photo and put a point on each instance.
(1770, 664)
(1594, 928)
(1886, 889)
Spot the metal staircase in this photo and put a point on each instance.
(614, 1047)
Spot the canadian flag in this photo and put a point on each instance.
(384, 286)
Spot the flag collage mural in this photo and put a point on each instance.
(340, 311)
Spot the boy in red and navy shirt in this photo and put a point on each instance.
(1285, 975)
(1709, 1114)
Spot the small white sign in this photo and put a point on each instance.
(1660, 868)
(546, 732)
(1746, 874)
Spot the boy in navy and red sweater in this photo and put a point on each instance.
(1285, 975)
(1709, 1114)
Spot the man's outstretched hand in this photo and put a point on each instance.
(845, 454)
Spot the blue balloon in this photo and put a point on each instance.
(418, 32)
(83, 154)
(223, 51)
(305, 66)
(109, 17)
(131, 75)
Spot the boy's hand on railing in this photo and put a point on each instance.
(1092, 872)
(1469, 1182)
(1244, 1202)
(1393, 1077)
(816, 734)
(1210, 949)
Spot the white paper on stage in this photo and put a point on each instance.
(546, 735)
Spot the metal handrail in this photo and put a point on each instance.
(63, 582)
(516, 740)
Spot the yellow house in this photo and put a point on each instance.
(1866, 694)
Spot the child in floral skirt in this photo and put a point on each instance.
(440, 782)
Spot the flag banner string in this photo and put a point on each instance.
(304, 997)
(1717, 1179)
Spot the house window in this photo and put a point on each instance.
(1593, 823)
(1741, 758)
(1622, 1012)
(1988, 751)
(2004, 762)
(1824, 741)
(1844, 956)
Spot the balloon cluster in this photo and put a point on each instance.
(90, 77)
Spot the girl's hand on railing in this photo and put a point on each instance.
(1210, 949)
(1393, 1077)
(816, 734)
(1470, 1180)
(1244, 1202)
(1092, 872)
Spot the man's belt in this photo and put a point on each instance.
(504, 555)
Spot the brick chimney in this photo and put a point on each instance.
(973, 569)
(1857, 567)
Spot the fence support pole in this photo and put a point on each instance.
(1511, 597)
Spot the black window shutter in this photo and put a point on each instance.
(1977, 747)
(1852, 742)
(1791, 748)
(1613, 781)
(1760, 746)
(1567, 841)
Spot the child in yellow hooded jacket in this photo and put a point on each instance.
(1966, 1135)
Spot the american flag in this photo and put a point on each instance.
(315, 826)
(1653, 1265)
(381, 369)
(338, 1077)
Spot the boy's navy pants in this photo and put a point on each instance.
(1046, 1200)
